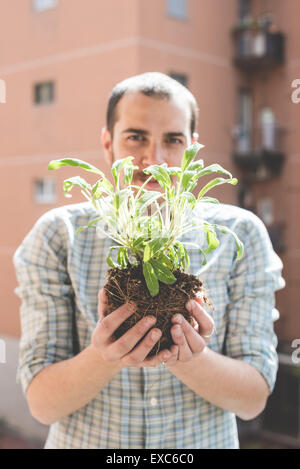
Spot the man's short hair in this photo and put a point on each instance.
(152, 84)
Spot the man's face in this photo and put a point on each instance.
(152, 130)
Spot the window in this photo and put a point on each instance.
(44, 93)
(244, 9)
(265, 210)
(244, 128)
(41, 5)
(268, 129)
(44, 191)
(177, 9)
(181, 77)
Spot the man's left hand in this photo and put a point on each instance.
(190, 340)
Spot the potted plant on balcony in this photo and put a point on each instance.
(151, 262)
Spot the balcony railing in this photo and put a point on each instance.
(257, 48)
(277, 236)
(259, 152)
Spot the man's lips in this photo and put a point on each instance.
(152, 184)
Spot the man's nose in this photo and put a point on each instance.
(154, 154)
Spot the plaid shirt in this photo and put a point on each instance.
(144, 407)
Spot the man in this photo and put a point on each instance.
(109, 395)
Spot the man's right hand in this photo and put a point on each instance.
(125, 349)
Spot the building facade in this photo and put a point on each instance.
(59, 60)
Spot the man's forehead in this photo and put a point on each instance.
(135, 108)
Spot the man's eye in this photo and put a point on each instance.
(175, 140)
(136, 138)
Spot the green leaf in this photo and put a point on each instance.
(120, 197)
(160, 174)
(102, 186)
(116, 201)
(150, 278)
(174, 170)
(138, 242)
(190, 154)
(199, 249)
(109, 259)
(210, 200)
(145, 200)
(55, 164)
(184, 257)
(238, 242)
(215, 182)
(75, 181)
(128, 173)
(196, 166)
(204, 262)
(117, 167)
(162, 272)
(174, 253)
(153, 246)
(165, 260)
(213, 168)
(186, 178)
(91, 224)
(189, 197)
(122, 257)
(211, 238)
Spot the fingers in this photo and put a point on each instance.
(113, 349)
(125, 344)
(205, 321)
(173, 358)
(134, 346)
(167, 357)
(186, 336)
(109, 324)
(102, 303)
(184, 350)
(137, 357)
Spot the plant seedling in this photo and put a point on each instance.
(151, 260)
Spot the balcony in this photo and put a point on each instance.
(256, 48)
(277, 235)
(258, 152)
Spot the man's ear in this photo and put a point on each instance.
(107, 145)
(195, 137)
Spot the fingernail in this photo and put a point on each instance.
(178, 318)
(150, 320)
(190, 305)
(131, 307)
(155, 335)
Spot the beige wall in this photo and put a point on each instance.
(86, 47)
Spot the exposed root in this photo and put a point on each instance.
(128, 285)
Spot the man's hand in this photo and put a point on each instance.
(125, 349)
(190, 340)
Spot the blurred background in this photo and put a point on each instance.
(59, 60)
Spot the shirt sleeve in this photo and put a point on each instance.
(45, 290)
(251, 312)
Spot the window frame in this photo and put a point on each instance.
(37, 5)
(48, 195)
(171, 10)
(37, 93)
